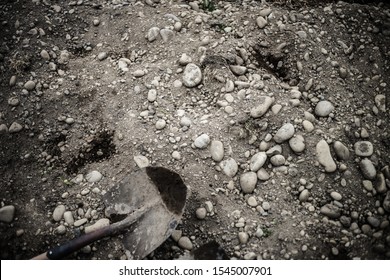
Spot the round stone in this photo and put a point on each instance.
(257, 161)
(297, 144)
(94, 176)
(185, 121)
(323, 108)
(277, 160)
(252, 201)
(336, 196)
(304, 195)
(201, 213)
(202, 141)
(160, 124)
(341, 150)
(192, 75)
(364, 148)
(217, 150)
(284, 133)
(185, 243)
(243, 237)
(7, 213)
(102, 56)
(248, 182)
(368, 169)
(29, 85)
(58, 212)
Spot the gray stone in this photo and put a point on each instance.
(277, 160)
(209, 206)
(364, 148)
(185, 121)
(139, 73)
(252, 201)
(297, 144)
(152, 95)
(185, 243)
(29, 85)
(192, 75)
(374, 222)
(263, 175)
(380, 183)
(248, 182)
(7, 213)
(160, 124)
(308, 126)
(201, 213)
(386, 202)
(216, 150)
(3, 129)
(202, 141)
(45, 55)
(323, 108)
(266, 206)
(94, 176)
(166, 34)
(341, 150)
(153, 34)
(284, 133)
(265, 103)
(12, 81)
(380, 102)
(243, 237)
(61, 229)
(331, 211)
(80, 222)
(229, 167)
(257, 161)
(184, 59)
(265, 12)
(304, 195)
(102, 56)
(275, 150)
(336, 196)
(58, 212)
(238, 69)
(368, 169)
(68, 217)
(324, 157)
(15, 127)
(261, 22)
(141, 161)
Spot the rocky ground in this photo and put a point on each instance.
(275, 114)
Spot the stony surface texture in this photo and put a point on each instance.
(274, 113)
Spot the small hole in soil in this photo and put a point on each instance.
(100, 148)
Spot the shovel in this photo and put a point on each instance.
(146, 206)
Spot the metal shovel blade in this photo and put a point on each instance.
(161, 193)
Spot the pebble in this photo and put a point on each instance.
(202, 141)
(153, 34)
(15, 127)
(192, 75)
(265, 103)
(176, 235)
(277, 160)
(367, 184)
(58, 212)
(243, 237)
(374, 222)
(364, 148)
(80, 222)
(102, 56)
(45, 55)
(380, 102)
(336, 196)
(96, 22)
(308, 126)
(257, 161)
(184, 59)
(266, 206)
(324, 157)
(29, 85)
(152, 95)
(331, 211)
(185, 121)
(185, 243)
(176, 155)
(386, 202)
(7, 213)
(12, 81)
(166, 34)
(368, 169)
(209, 206)
(341, 150)
(284, 133)
(101, 223)
(141, 161)
(160, 124)
(139, 73)
(68, 217)
(252, 201)
(201, 213)
(238, 70)
(94, 176)
(263, 175)
(323, 108)
(216, 150)
(229, 167)
(304, 195)
(261, 22)
(3, 129)
(297, 144)
(380, 183)
(248, 182)
(61, 229)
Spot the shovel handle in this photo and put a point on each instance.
(76, 244)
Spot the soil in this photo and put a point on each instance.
(86, 112)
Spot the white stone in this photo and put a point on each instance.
(323, 108)
(324, 157)
(265, 103)
(216, 150)
(297, 144)
(201, 213)
(229, 167)
(261, 22)
(257, 161)
(68, 217)
(160, 124)
(192, 75)
(141, 161)
(94, 176)
(58, 212)
(202, 141)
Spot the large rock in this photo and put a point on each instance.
(248, 182)
(192, 75)
(284, 133)
(324, 157)
(265, 103)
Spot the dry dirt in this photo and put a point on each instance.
(86, 110)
